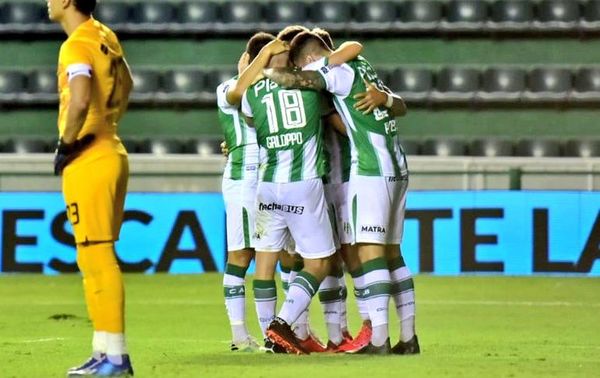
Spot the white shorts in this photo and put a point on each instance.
(295, 210)
(378, 205)
(239, 197)
(337, 200)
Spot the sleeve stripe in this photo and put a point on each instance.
(79, 69)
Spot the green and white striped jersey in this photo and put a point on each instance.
(375, 147)
(288, 130)
(242, 161)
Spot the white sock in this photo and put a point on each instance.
(285, 280)
(377, 293)
(330, 296)
(235, 302)
(343, 306)
(99, 344)
(361, 303)
(404, 298)
(115, 347)
(265, 298)
(302, 290)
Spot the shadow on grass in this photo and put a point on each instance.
(262, 359)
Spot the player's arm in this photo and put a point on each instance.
(346, 52)
(69, 147)
(247, 111)
(247, 77)
(126, 87)
(373, 97)
(80, 88)
(334, 120)
(289, 77)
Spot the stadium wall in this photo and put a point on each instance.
(446, 233)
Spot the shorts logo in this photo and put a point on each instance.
(347, 228)
(373, 229)
(285, 208)
(325, 70)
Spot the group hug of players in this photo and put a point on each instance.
(316, 181)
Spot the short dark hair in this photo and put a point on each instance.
(289, 32)
(325, 36)
(85, 7)
(256, 43)
(304, 43)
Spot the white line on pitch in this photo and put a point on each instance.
(43, 340)
(508, 303)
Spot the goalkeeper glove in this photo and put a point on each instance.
(67, 152)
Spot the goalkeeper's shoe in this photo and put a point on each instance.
(409, 347)
(312, 344)
(281, 334)
(377, 350)
(105, 368)
(271, 347)
(248, 345)
(92, 361)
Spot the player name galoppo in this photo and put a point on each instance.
(284, 140)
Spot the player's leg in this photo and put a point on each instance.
(95, 208)
(270, 238)
(234, 290)
(239, 196)
(344, 232)
(310, 227)
(403, 294)
(286, 264)
(331, 297)
(402, 282)
(376, 290)
(370, 207)
(264, 287)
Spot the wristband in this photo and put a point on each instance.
(390, 101)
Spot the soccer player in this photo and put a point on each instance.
(377, 185)
(290, 198)
(94, 84)
(239, 182)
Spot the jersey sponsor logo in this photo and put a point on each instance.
(234, 291)
(251, 167)
(381, 115)
(395, 179)
(285, 208)
(372, 229)
(284, 140)
(390, 126)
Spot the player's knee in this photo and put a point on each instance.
(240, 258)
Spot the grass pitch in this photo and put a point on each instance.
(470, 326)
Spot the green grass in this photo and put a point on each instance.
(469, 326)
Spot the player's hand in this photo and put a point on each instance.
(370, 99)
(67, 152)
(243, 62)
(224, 149)
(277, 46)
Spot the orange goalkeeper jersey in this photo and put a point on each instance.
(95, 49)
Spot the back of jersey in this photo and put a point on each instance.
(374, 137)
(288, 131)
(95, 46)
(242, 160)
